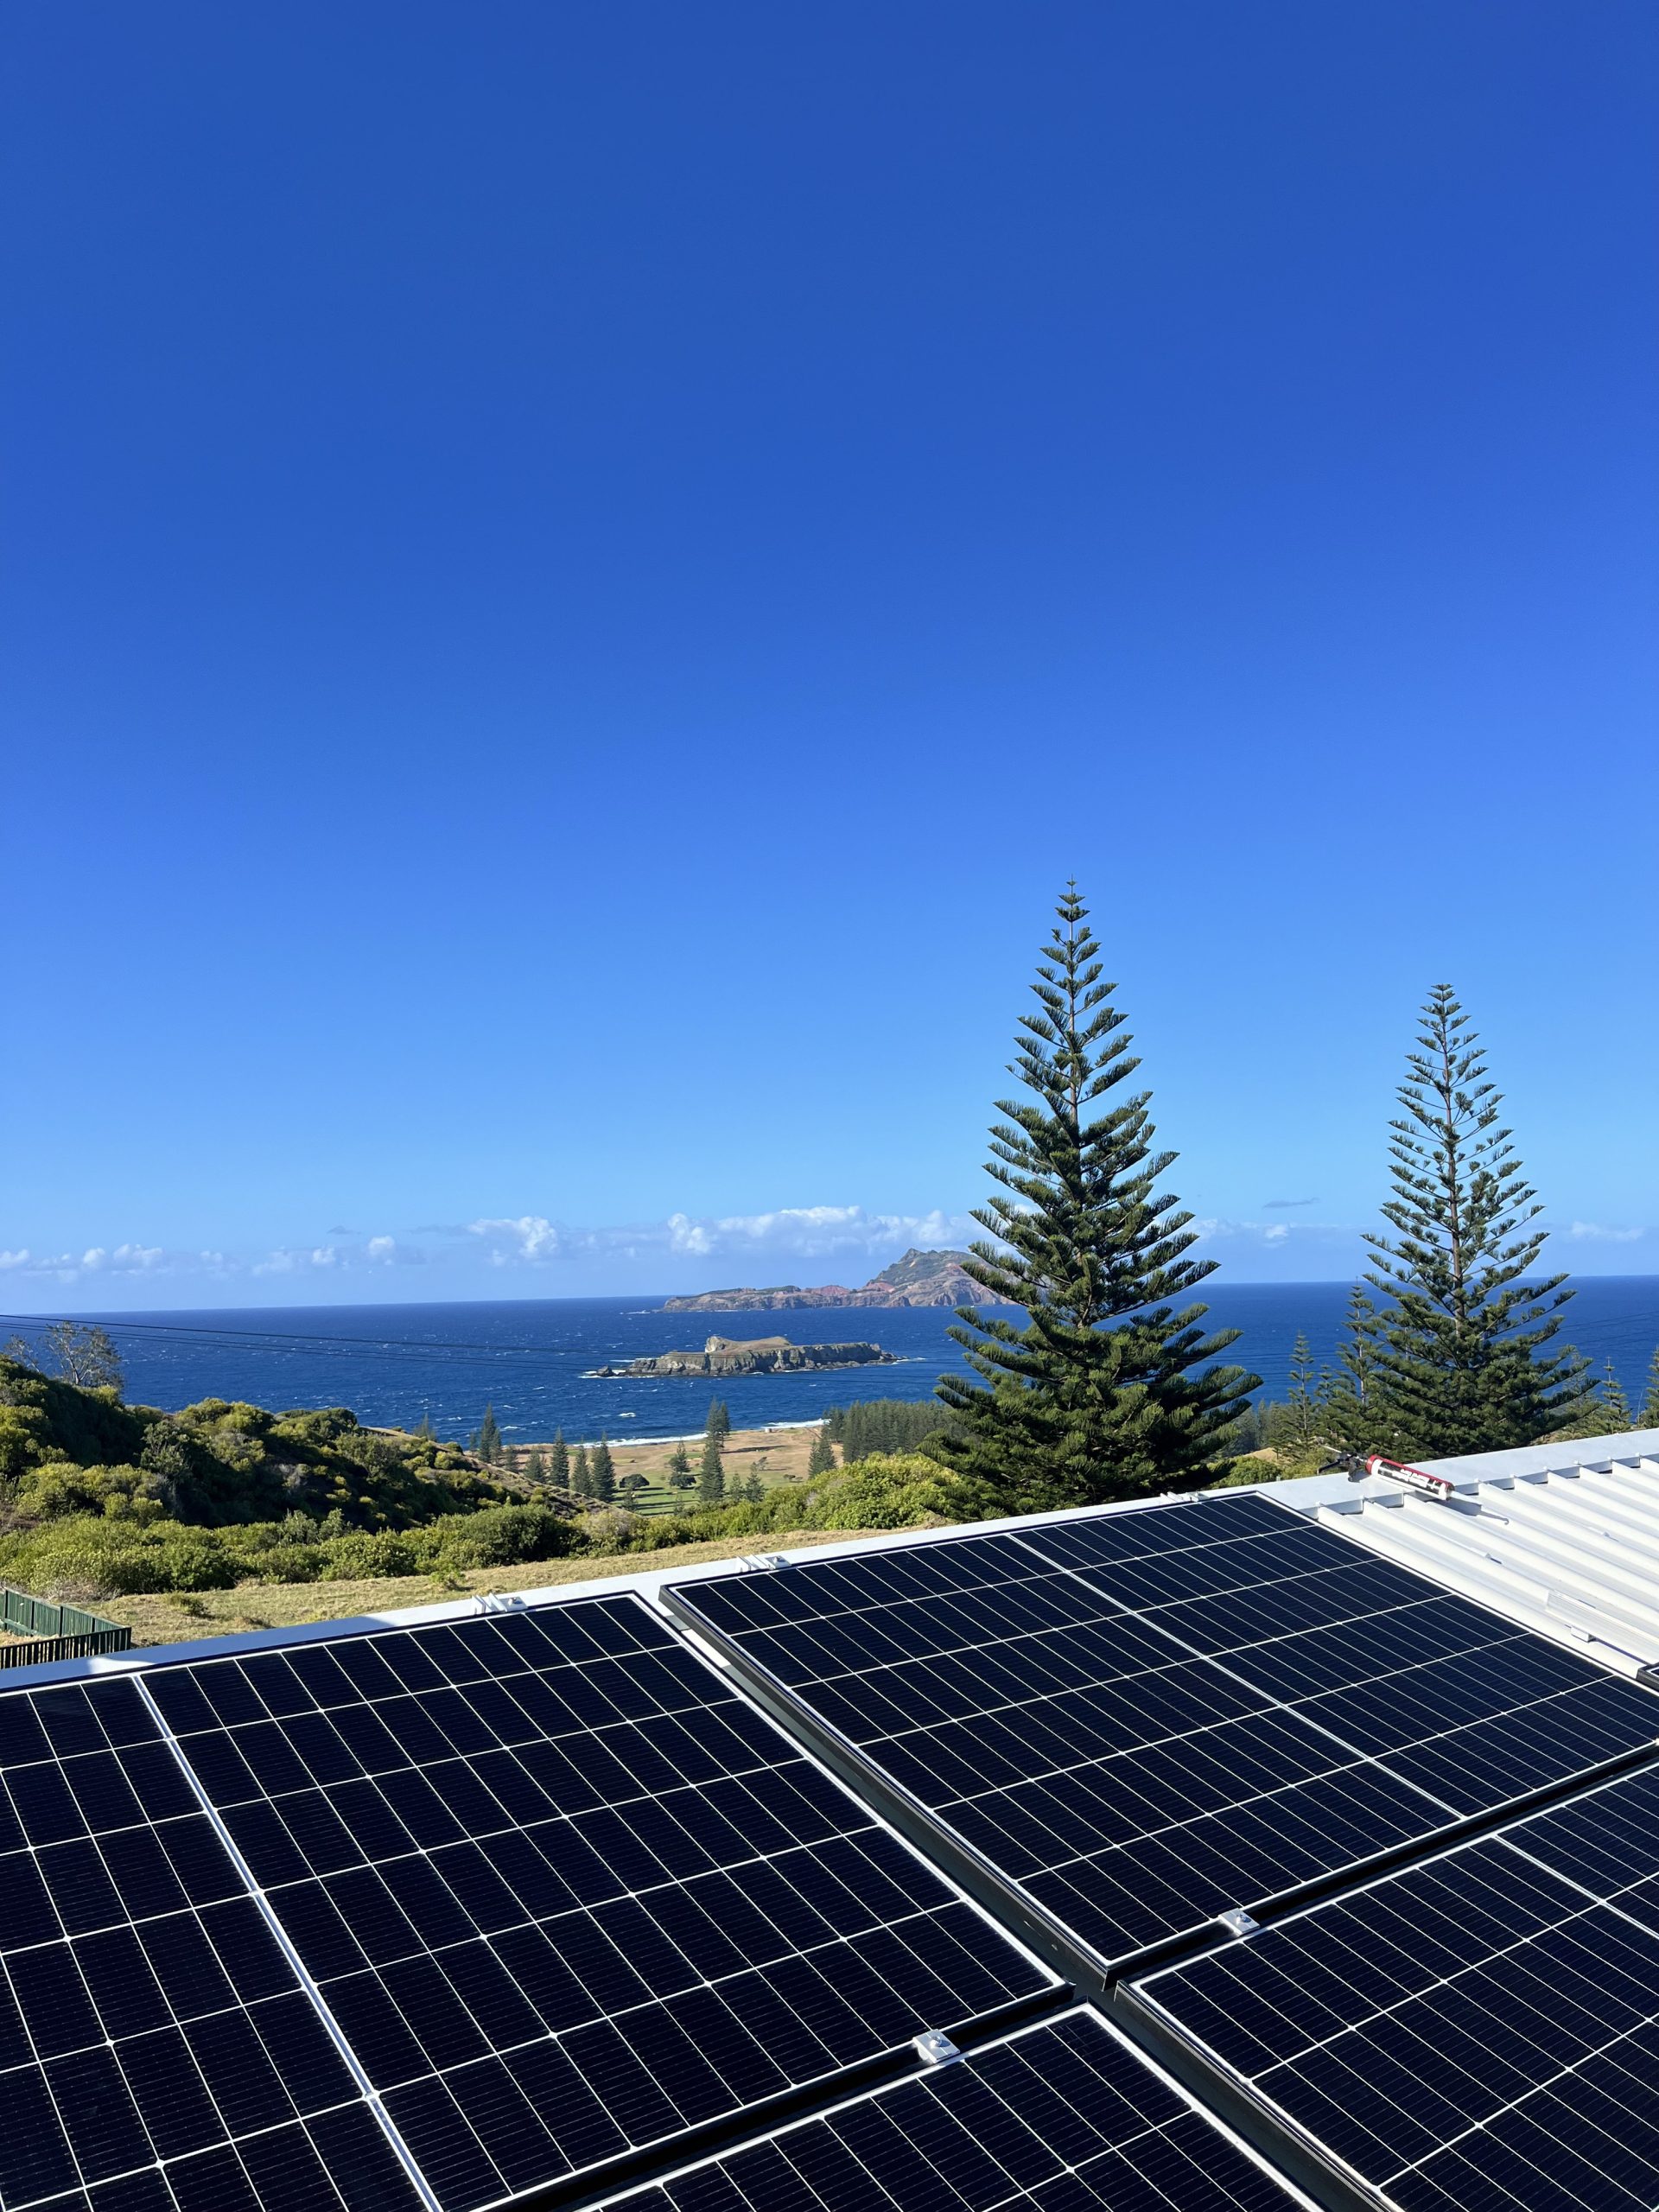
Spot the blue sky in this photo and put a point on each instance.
(578, 577)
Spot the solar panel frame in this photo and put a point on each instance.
(1057, 2117)
(214, 1692)
(1482, 2026)
(1318, 1813)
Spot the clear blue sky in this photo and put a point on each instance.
(578, 576)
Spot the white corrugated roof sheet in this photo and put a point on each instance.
(1562, 1538)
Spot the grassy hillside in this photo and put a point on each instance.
(100, 1500)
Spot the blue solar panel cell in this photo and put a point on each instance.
(565, 1893)
(1480, 2029)
(1148, 1717)
(155, 2042)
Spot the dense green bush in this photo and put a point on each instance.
(66, 1452)
(905, 1491)
(102, 1530)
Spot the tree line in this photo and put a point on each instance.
(1112, 1387)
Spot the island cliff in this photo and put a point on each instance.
(919, 1279)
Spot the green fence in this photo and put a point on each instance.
(55, 1631)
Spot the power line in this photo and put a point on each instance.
(290, 1340)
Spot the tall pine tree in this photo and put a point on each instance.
(558, 1462)
(719, 1423)
(1097, 1397)
(711, 1475)
(582, 1480)
(821, 1460)
(1649, 1414)
(1461, 1365)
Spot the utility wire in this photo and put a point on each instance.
(395, 1351)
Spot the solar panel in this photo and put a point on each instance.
(565, 1893)
(158, 2051)
(1149, 1718)
(1476, 2031)
(1053, 2119)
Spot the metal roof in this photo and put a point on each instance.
(1562, 1538)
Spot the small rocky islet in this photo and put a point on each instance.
(728, 1356)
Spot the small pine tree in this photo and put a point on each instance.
(1293, 1428)
(1460, 1343)
(1651, 1403)
(558, 1462)
(719, 1423)
(1097, 1396)
(1615, 1406)
(582, 1480)
(601, 1474)
(426, 1434)
(485, 1441)
(1348, 1414)
(711, 1475)
(822, 1458)
(679, 1462)
(536, 1464)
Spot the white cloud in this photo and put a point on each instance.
(785, 1234)
(125, 1260)
(1592, 1232)
(381, 1248)
(285, 1261)
(98, 1259)
(531, 1237)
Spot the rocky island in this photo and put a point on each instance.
(726, 1355)
(919, 1279)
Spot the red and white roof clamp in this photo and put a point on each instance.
(1357, 1465)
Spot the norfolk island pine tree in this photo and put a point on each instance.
(1457, 1343)
(711, 1475)
(1650, 1414)
(601, 1476)
(1097, 1397)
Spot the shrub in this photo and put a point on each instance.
(364, 1558)
(118, 1560)
(503, 1536)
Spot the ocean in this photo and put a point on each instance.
(529, 1358)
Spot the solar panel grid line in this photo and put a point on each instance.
(1063, 2114)
(1489, 1714)
(400, 2149)
(123, 2079)
(1549, 2023)
(1499, 1635)
(1536, 2086)
(1183, 1731)
(1411, 1752)
(883, 1964)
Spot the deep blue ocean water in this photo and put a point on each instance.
(393, 1363)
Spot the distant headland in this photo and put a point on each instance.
(919, 1279)
(755, 1356)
